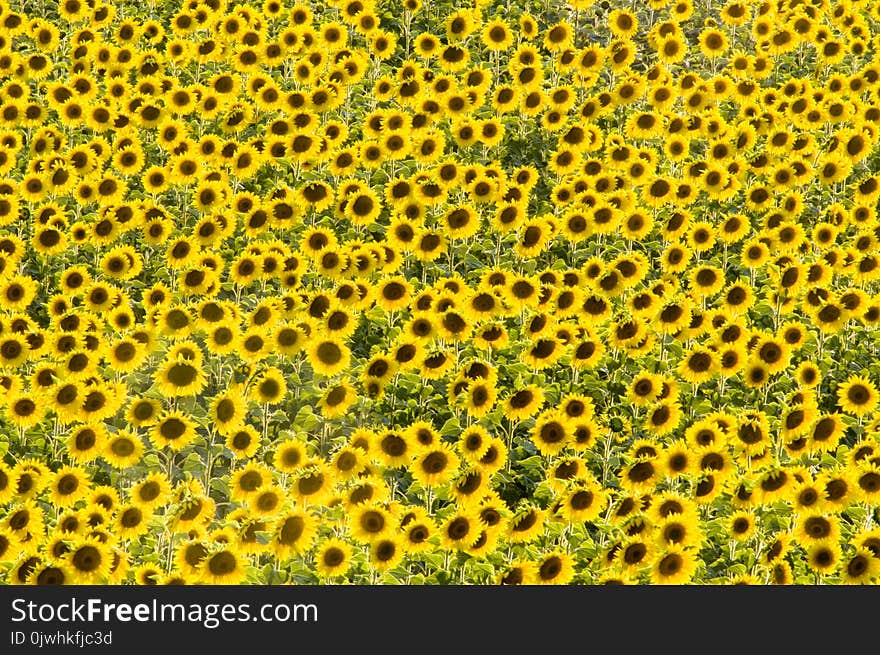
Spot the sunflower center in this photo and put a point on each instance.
(333, 557)
(858, 394)
(149, 491)
(122, 447)
(435, 462)
(67, 484)
(329, 353)
(87, 559)
(311, 484)
(870, 482)
(182, 375)
(670, 564)
(458, 529)
(292, 530)
(222, 563)
(581, 500)
(172, 428)
(131, 517)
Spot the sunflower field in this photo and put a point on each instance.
(411, 292)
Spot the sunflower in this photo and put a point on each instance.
(189, 556)
(386, 553)
(7, 487)
(314, 483)
(394, 293)
(823, 557)
(480, 399)
(193, 511)
(496, 35)
(379, 368)
(347, 463)
(470, 486)
(126, 354)
(673, 565)
(857, 396)
(131, 521)
(677, 521)
(829, 317)
(68, 485)
(583, 501)
(29, 478)
(755, 374)
(662, 418)
(173, 429)
(485, 545)
(336, 400)
(121, 450)
(814, 527)
(24, 409)
(774, 484)
(460, 530)
(152, 492)
(147, 574)
(228, 410)
(493, 513)
(293, 533)
(290, 455)
(825, 433)
(706, 280)
(65, 400)
(678, 459)
(860, 568)
(550, 434)
(328, 356)
(867, 481)
(391, 448)
(556, 567)
(869, 539)
(180, 376)
(526, 524)
(576, 407)
(243, 441)
(339, 321)
(333, 558)
(525, 402)
(674, 314)
(698, 365)
(362, 207)
(265, 503)
(50, 573)
(435, 465)
(223, 566)
(518, 573)
(88, 561)
(741, 525)
(644, 388)
(23, 567)
(86, 442)
(24, 522)
(634, 552)
(246, 481)
(417, 528)
(370, 522)
(269, 387)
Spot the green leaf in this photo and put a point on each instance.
(193, 464)
(451, 428)
(306, 419)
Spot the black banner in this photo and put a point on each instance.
(413, 619)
